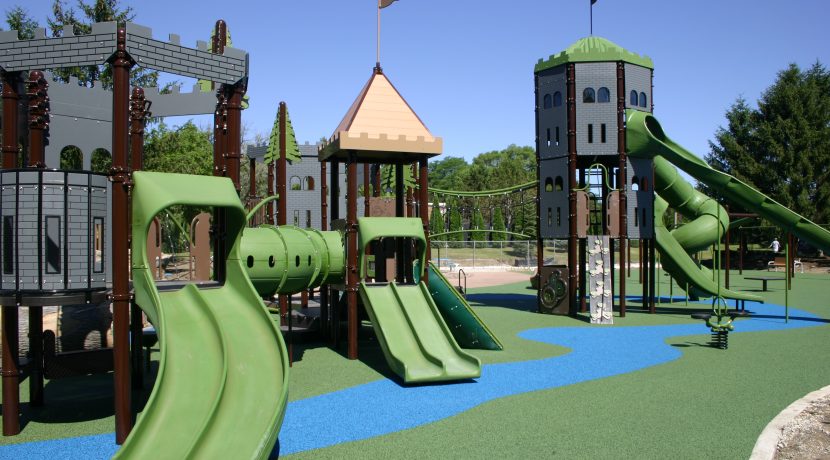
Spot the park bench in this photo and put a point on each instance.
(781, 262)
(764, 279)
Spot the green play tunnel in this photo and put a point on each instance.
(288, 259)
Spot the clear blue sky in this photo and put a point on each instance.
(466, 67)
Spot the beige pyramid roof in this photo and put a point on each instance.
(381, 126)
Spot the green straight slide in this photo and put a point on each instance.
(466, 327)
(645, 139)
(415, 340)
(221, 388)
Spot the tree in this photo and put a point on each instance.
(186, 150)
(498, 225)
(72, 159)
(782, 148)
(18, 19)
(478, 224)
(99, 11)
(436, 219)
(447, 173)
(455, 222)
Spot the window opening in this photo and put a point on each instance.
(53, 244)
(588, 95)
(603, 95)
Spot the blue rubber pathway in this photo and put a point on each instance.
(384, 406)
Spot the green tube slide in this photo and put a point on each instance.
(645, 139)
(223, 366)
(466, 327)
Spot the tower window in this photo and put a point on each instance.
(603, 95)
(557, 184)
(633, 102)
(548, 184)
(557, 99)
(588, 96)
(590, 133)
(602, 133)
(557, 135)
(548, 130)
(547, 102)
(643, 101)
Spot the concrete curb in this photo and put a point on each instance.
(767, 443)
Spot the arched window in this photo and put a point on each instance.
(603, 95)
(295, 183)
(100, 161)
(635, 184)
(588, 96)
(633, 102)
(643, 101)
(557, 185)
(547, 102)
(548, 184)
(557, 99)
(72, 159)
(308, 183)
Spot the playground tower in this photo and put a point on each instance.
(590, 193)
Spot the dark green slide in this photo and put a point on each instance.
(467, 328)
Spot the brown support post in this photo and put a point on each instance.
(366, 190)
(138, 114)
(583, 281)
(628, 253)
(540, 244)
(324, 290)
(334, 198)
(282, 213)
(377, 181)
(270, 207)
(423, 204)
(741, 248)
(573, 240)
(37, 87)
(642, 259)
(233, 155)
(220, 134)
(399, 212)
(652, 266)
(351, 252)
(410, 202)
(790, 255)
(252, 178)
(622, 185)
(121, 297)
(10, 370)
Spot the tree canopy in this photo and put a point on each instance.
(185, 150)
(782, 147)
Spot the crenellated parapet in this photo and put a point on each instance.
(97, 47)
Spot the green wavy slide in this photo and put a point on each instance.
(222, 383)
(645, 139)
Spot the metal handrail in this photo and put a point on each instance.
(463, 292)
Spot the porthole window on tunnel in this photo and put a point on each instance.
(271, 261)
(250, 261)
(297, 261)
(309, 261)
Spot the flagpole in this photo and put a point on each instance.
(377, 53)
(591, 14)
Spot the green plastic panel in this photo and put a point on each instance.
(371, 228)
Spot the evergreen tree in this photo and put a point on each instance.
(18, 19)
(455, 222)
(477, 226)
(498, 225)
(436, 219)
(782, 148)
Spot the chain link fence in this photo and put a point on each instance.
(495, 255)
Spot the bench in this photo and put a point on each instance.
(781, 262)
(764, 279)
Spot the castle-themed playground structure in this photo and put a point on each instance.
(606, 175)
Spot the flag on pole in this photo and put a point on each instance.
(592, 1)
(385, 3)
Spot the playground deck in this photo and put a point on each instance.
(560, 387)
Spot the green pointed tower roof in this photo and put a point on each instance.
(593, 49)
